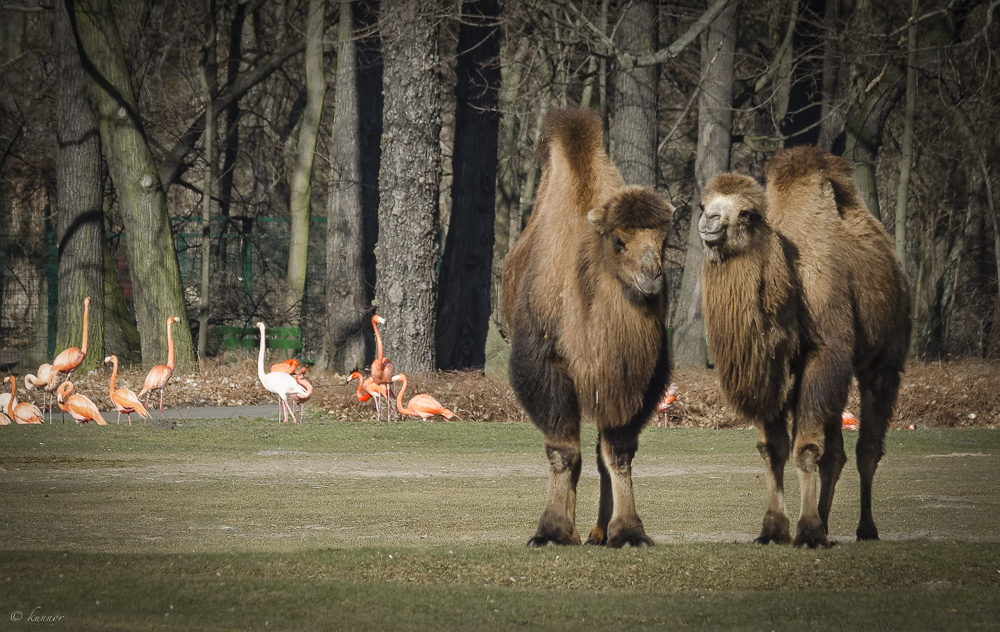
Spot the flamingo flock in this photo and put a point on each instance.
(287, 380)
(378, 386)
(54, 379)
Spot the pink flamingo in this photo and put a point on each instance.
(67, 361)
(80, 407)
(124, 400)
(281, 384)
(288, 366)
(159, 375)
(46, 381)
(22, 412)
(421, 405)
(367, 388)
(382, 368)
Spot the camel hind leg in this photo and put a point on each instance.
(878, 388)
(831, 464)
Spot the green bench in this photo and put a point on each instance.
(286, 338)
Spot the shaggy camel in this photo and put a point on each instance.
(801, 291)
(583, 296)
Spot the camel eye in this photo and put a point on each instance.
(619, 244)
(745, 215)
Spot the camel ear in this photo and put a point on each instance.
(596, 218)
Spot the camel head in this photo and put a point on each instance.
(733, 214)
(631, 229)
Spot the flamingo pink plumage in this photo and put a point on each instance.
(22, 412)
(421, 405)
(124, 400)
(67, 361)
(46, 381)
(159, 375)
(80, 407)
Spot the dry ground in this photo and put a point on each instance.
(953, 394)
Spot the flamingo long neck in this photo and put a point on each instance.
(10, 402)
(86, 309)
(170, 344)
(361, 385)
(260, 358)
(399, 400)
(378, 340)
(114, 376)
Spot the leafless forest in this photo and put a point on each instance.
(308, 162)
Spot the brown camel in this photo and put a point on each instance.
(801, 292)
(583, 295)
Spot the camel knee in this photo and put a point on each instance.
(807, 456)
(563, 458)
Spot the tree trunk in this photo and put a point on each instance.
(80, 186)
(347, 306)
(408, 182)
(634, 109)
(464, 291)
(715, 123)
(906, 160)
(152, 255)
(831, 116)
(206, 67)
(301, 182)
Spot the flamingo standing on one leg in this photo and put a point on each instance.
(281, 384)
(67, 361)
(124, 400)
(304, 382)
(159, 375)
(367, 388)
(80, 407)
(382, 368)
(421, 405)
(23, 412)
(46, 381)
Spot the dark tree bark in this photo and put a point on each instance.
(152, 255)
(80, 186)
(408, 182)
(634, 109)
(464, 294)
(715, 123)
(347, 303)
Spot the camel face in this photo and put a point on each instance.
(732, 216)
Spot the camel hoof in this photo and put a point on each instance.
(634, 537)
(867, 532)
(597, 536)
(812, 536)
(774, 529)
(539, 541)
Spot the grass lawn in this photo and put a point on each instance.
(250, 524)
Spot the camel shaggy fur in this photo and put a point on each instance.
(583, 296)
(801, 292)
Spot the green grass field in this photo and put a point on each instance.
(254, 525)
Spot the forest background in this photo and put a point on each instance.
(308, 162)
